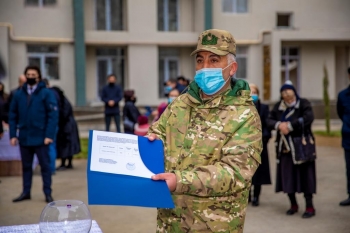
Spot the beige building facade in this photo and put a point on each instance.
(146, 42)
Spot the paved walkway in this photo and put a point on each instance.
(269, 217)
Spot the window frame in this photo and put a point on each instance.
(286, 57)
(242, 56)
(42, 56)
(40, 4)
(166, 59)
(166, 16)
(291, 21)
(234, 7)
(108, 16)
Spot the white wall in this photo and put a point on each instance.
(4, 57)
(91, 75)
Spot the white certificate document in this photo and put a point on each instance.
(117, 153)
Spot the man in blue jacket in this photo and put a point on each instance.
(343, 108)
(111, 95)
(33, 113)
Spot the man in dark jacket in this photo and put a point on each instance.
(111, 95)
(343, 108)
(33, 112)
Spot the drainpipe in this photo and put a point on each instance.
(208, 14)
(79, 49)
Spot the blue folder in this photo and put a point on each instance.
(114, 189)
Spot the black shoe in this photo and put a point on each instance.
(61, 168)
(22, 197)
(345, 202)
(70, 166)
(292, 211)
(48, 198)
(255, 201)
(309, 214)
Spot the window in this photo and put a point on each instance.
(109, 15)
(46, 58)
(241, 58)
(167, 15)
(284, 20)
(40, 3)
(168, 66)
(290, 65)
(109, 61)
(235, 6)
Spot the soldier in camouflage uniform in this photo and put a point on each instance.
(212, 140)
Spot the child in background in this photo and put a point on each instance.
(141, 127)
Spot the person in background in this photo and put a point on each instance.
(34, 113)
(182, 81)
(130, 112)
(343, 109)
(21, 81)
(3, 101)
(262, 174)
(111, 95)
(1, 127)
(142, 126)
(52, 146)
(68, 141)
(292, 116)
(173, 84)
(173, 94)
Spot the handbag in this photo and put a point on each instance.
(304, 147)
(128, 124)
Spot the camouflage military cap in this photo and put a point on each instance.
(217, 41)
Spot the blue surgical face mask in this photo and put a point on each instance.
(255, 98)
(167, 89)
(210, 80)
(170, 99)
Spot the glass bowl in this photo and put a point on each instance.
(66, 216)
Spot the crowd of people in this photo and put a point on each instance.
(215, 132)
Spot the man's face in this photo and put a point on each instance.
(174, 93)
(111, 79)
(181, 82)
(206, 59)
(32, 74)
(171, 84)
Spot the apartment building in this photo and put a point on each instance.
(77, 43)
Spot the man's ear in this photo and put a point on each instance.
(234, 67)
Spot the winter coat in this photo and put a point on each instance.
(343, 108)
(131, 113)
(213, 147)
(114, 93)
(35, 115)
(68, 142)
(302, 112)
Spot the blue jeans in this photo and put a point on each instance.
(108, 118)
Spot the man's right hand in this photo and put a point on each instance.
(14, 141)
(152, 137)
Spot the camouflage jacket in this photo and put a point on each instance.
(214, 150)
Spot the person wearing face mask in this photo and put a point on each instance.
(111, 95)
(292, 117)
(262, 174)
(212, 140)
(33, 121)
(130, 112)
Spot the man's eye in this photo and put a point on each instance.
(214, 60)
(199, 61)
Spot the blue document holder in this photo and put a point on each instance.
(114, 189)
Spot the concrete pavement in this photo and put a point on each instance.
(268, 217)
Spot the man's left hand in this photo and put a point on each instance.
(170, 179)
(47, 141)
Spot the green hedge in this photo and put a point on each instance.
(331, 134)
(84, 142)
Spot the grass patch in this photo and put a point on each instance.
(332, 133)
(84, 143)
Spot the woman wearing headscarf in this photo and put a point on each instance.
(291, 117)
(262, 174)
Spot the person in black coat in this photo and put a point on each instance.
(291, 117)
(68, 142)
(111, 95)
(343, 109)
(130, 112)
(262, 174)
